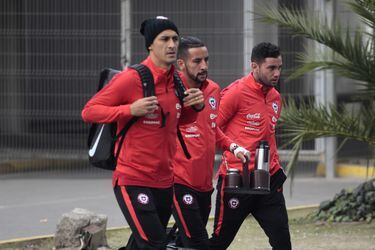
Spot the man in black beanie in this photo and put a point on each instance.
(150, 28)
(143, 178)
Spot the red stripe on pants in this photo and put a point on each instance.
(178, 209)
(221, 213)
(130, 207)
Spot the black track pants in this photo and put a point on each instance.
(147, 210)
(191, 210)
(269, 211)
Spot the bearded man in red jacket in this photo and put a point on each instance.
(249, 110)
(193, 177)
(143, 179)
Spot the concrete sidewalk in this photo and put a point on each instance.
(31, 204)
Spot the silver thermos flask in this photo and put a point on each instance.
(260, 177)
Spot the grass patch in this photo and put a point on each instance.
(305, 235)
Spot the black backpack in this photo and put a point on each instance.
(102, 137)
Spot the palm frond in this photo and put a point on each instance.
(347, 53)
(310, 121)
(366, 10)
(351, 55)
(340, 66)
(291, 164)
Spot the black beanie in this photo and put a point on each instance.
(151, 28)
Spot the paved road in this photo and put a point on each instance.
(31, 205)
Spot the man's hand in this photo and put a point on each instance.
(241, 153)
(143, 106)
(194, 97)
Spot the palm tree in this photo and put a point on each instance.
(351, 55)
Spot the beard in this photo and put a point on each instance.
(199, 78)
(263, 80)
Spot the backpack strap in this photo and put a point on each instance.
(122, 133)
(182, 142)
(146, 78)
(148, 87)
(149, 90)
(179, 87)
(180, 92)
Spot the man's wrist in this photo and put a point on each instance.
(233, 146)
(236, 149)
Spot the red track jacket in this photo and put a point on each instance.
(200, 137)
(248, 115)
(147, 151)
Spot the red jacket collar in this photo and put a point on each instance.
(158, 71)
(252, 83)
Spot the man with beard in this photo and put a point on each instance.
(249, 110)
(193, 177)
(143, 179)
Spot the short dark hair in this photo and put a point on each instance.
(188, 42)
(263, 50)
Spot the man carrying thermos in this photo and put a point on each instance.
(249, 110)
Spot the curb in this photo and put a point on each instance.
(26, 239)
(17, 240)
(348, 170)
(38, 164)
(303, 207)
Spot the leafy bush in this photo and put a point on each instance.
(346, 206)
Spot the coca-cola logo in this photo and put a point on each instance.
(253, 116)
